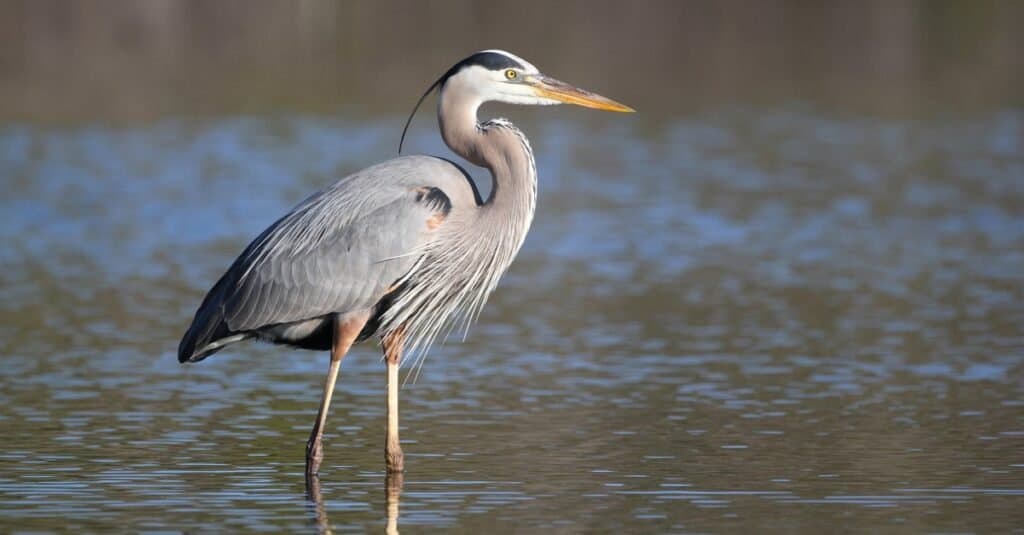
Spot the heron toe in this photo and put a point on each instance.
(395, 460)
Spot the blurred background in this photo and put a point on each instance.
(130, 60)
(787, 294)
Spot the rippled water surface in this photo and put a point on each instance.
(756, 319)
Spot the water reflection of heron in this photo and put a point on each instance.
(404, 249)
(392, 497)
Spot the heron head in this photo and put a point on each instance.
(499, 76)
(496, 75)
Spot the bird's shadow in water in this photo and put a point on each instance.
(392, 496)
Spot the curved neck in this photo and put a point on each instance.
(481, 241)
(497, 145)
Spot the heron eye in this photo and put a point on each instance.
(511, 74)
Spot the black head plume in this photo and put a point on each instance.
(487, 59)
(416, 107)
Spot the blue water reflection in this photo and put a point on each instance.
(736, 317)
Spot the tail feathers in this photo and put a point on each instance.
(190, 354)
(209, 332)
(203, 340)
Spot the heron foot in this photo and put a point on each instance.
(314, 456)
(395, 460)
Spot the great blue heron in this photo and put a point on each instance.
(402, 249)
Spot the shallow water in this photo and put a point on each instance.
(746, 319)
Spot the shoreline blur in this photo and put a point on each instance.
(127, 61)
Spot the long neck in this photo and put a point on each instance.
(505, 152)
(470, 255)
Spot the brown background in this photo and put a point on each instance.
(130, 60)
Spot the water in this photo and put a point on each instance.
(742, 319)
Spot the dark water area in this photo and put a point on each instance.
(779, 318)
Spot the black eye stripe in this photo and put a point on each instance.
(488, 60)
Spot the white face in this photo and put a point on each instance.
(509, 85)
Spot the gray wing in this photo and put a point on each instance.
(337, 251)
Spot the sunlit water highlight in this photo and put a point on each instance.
(756, 318)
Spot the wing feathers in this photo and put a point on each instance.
(338, 250)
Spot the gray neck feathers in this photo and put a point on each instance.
(459, 270)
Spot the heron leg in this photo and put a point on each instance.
(393, 355)
(392, 499)
(345, 332)
(316, 503)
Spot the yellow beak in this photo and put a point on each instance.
(557, 90)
